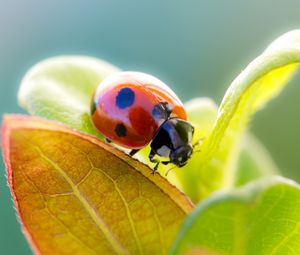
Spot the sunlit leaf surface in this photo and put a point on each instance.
(77, 195)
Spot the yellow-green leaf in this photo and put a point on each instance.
(261, 80)
(77, 195)
(254, 162)
(61, 89)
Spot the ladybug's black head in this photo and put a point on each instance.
(180, 156)
(173, 140)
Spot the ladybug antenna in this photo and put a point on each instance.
(166, 174)
(198, 142)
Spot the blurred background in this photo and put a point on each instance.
(198, 47)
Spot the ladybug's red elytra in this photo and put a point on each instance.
(133, 109)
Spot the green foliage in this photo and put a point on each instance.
(61, 89)
(261, 80)
(254, 162)
(260, 218)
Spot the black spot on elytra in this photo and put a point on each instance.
(125, 98)
(120, 130)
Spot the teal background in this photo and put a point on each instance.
(198, 47)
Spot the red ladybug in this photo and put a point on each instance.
(133, 109)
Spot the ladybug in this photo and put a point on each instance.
(133, 109)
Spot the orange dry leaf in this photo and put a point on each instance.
(77, 195)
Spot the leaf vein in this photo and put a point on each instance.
(116, 246)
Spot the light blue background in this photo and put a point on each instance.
(196, 46)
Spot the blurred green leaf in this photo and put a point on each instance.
(61, 89)
(254, 162)
(262, 219)
(262, 80)
(202, 112)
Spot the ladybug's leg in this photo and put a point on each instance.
(151, 156)
(198, 142)
(156, 165)
(153, 160)
(107, 140)
(133, 152)
(155, 168)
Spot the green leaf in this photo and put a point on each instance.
(61, 89)
(254, 162)
(262, 80)
(263, 218)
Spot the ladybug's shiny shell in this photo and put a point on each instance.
(129, 107)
